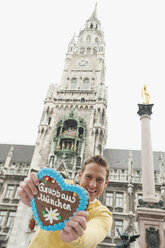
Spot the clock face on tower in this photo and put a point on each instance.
(82, 63)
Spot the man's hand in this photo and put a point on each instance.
(28, 189)
(74, 228)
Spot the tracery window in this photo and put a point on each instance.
(86, 83)
(16, 194)
(88, 39)
(9, 191)
(109, 199)
(2, 217)
(91, 26)
(82, 49)
(119, 199)
(119, 226)
(73, 84)
(10, 219)
(88, 50)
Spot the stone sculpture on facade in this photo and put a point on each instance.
(126, 239)
(152, 237)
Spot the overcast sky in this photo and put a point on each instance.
(34, 36)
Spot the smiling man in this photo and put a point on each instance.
(85, 229)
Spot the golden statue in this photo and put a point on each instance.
(145, 95)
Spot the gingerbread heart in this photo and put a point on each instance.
(56, 201)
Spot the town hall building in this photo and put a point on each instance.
(73, 126)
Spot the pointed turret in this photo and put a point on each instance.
(94, 14)
(9, 157)
(72, 44)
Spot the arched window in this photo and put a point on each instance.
(58, 131)
(81, 132)
(91, 26)
(73, 84)
(86, 83)
(96, 40)
(95, 50)
(82, 49)
(88, 39)
(88, 50)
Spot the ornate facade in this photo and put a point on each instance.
(121, 196)
(73, 123)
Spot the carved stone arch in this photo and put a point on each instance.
(86, 83)
(88, 50)
(71, 106)
(101, 132)
(82, 50)
(97, 132)
(81, 107)
(57, 106)
(99, 147)
(42, 130)
(73, 84)
(46, 131)
(101, 136)
(88, 38)
(61, 107)
(86, 107)
(66, 107)
(91, 25)
(98, 110)
(95, 50)
(91, 107)
(76, 106)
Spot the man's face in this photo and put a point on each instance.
(93, 179)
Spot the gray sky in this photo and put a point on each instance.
(34, 36)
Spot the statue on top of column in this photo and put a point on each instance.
(145, 95)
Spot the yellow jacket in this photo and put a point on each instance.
(98, 225)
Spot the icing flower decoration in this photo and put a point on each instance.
(47, 179)
(51, 215)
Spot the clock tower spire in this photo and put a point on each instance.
(73, 123)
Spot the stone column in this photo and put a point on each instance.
(150, 213)
(148, 184)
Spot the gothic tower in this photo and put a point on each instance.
(73, 123)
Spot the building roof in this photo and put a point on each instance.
(118, 159)
(21, 153)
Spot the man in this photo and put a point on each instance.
(85, 229)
